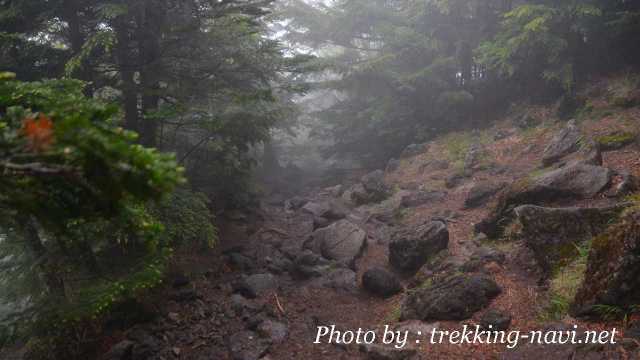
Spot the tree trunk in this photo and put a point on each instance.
(126, 67)
(149, 21)
(77, 40)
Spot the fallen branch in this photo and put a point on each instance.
(278, 305)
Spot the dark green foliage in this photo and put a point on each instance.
(187, 220)
(75, 193)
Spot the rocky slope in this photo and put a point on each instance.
(509, 227)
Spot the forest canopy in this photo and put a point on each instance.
(410, 70)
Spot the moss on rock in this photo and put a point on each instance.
(616, 140)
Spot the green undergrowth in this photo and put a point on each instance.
(620, 90)
(394, 315)
(457, 145)
(564, 285)
(616, 139)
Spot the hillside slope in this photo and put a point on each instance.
(493, 226)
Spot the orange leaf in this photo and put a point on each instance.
(39, 132)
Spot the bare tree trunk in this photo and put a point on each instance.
(126, 67)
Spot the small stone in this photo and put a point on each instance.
(495, 320)
(174, 317)
(275, 331)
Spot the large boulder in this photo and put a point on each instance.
(342, 241)
(454, 296)
(482, 192)
(571, 146)
(553, 234)
(565, 142)
(371, 189)
(381, 282)
(256, 285)
(331, 210)
(411, 248)
(577, 181)
(613, 268)
(386, 211)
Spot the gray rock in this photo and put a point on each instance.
(414, 150)
(373, 188)
(577, 181)
(450, 297)
(320, 222)
(495, 320)
(570, 146)
(274, 331)
(243, 306)
(145, 345)
(241, 262)
(419, 198)
(482, 192)
(453, 181)
(412, 248)
(481, 257)
(563, 143)
(472, 159)
(309, 264)
(247, 345)
(185, 294)
(295, 203)
(340, 279)
(119, 351)
(256, 285)
(553, 233)
(342, 241)
(386, 352)
(612, 268)
(416, 327)
(381, 282)
(628, 184)
(332, 210)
